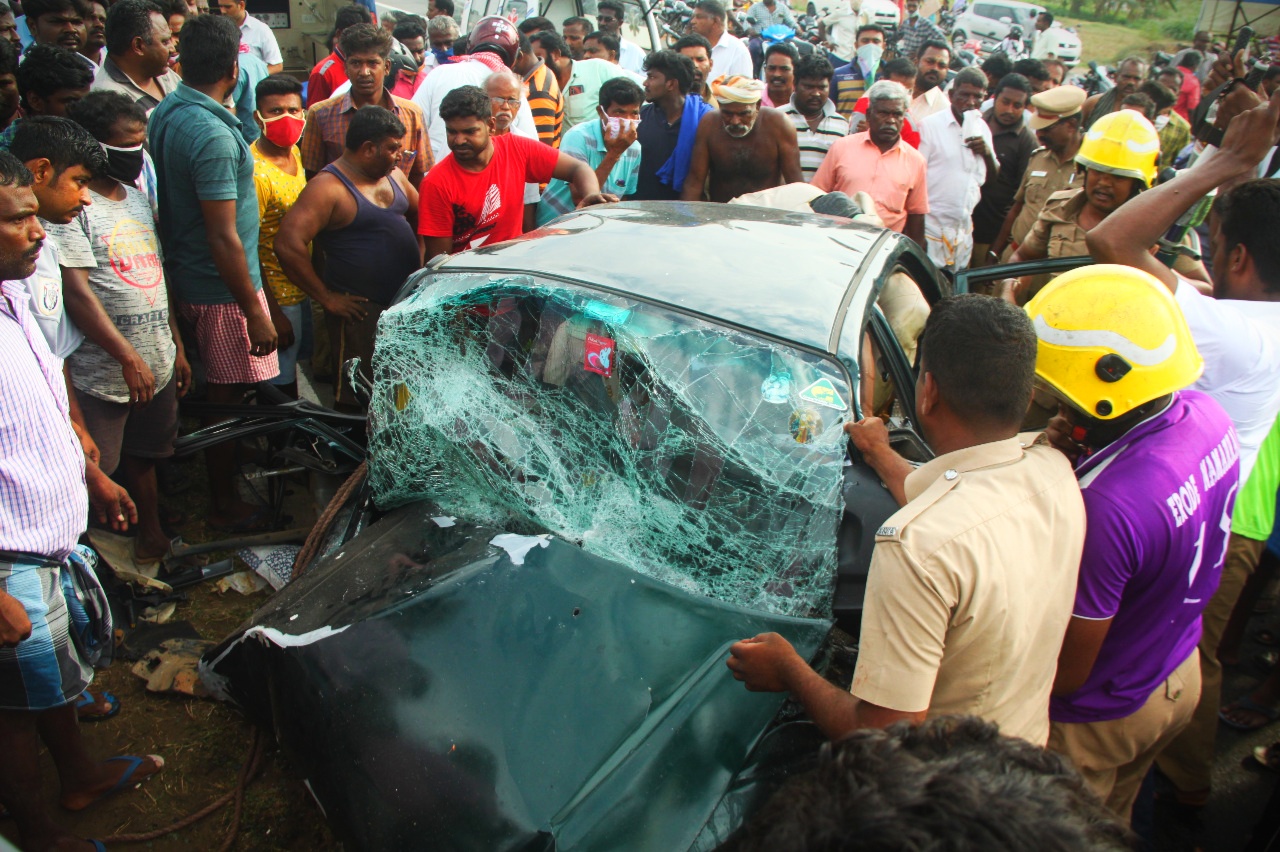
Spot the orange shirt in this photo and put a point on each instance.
(895, 179)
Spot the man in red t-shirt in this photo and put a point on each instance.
(475, 195)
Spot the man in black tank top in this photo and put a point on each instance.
(362, 211)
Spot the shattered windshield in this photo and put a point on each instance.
(700, 455)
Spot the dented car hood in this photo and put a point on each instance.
(448, 685)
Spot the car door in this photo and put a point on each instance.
(988, 24)
(984, 278)
(886, 388)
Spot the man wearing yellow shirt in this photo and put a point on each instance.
(279, 178)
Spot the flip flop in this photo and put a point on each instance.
(87, 700)
(125, 781)
(98, 845)
(1268, 757)
(1247, 703)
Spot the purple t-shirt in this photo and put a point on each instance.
(1158, 503)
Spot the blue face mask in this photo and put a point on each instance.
(442, 56)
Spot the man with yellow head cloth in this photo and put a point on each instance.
(741, 147)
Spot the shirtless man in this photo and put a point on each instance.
(742, 146)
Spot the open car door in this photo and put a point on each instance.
(965, 281)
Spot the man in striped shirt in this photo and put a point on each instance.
(542, 91)
(43, 509)
(818, 124)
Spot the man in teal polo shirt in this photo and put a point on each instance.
(612, 152)
(208, 231)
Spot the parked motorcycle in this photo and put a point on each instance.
(1095, 81)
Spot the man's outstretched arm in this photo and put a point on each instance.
(1127, 234)
(768, 663)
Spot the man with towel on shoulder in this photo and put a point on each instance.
(742, 146)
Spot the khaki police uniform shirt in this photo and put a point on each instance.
(972, 585)
(1044, 176)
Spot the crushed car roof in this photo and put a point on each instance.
(802, 266)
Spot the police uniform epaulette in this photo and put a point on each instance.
(893, 528)
(1035, 151)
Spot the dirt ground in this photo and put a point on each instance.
(204, 743)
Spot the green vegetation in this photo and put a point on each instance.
(1111, 29)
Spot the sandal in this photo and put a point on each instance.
(126, 780)
(1269, 714)
(87, 707)
(1268, 757)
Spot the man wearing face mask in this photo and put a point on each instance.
(850, 81)
(916, 30)
(608, 145)
(116, 293)
(360, 210)
(279, 179)
(741, 147)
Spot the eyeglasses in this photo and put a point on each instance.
(514, 103)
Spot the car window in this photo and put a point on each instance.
(698, 454)
(986, 10)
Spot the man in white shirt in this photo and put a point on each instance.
(958, 151)
(610, 17)
(255, 36)
(932, 62)
(729, 55)
(1237, 332)
(494, 47)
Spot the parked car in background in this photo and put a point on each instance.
(989, 23)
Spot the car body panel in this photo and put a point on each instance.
(473, 703)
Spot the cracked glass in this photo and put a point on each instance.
(694, 453)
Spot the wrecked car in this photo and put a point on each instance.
(598, 455)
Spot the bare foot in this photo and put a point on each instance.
(150, 549)
(116, 775)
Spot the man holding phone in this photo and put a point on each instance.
(958, 152)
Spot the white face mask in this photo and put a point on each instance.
(1161, 121)
(869, 55)
(616, 125)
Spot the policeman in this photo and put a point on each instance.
(966, 600)
(1158, 468)
(1052, 168)
(1118, 156)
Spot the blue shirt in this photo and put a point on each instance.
(585, 142)
(252, 72)
(201, 156)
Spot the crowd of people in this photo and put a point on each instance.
(175, 210)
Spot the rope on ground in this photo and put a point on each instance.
(247, 772)
(320, 531)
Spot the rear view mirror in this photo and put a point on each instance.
(1005, 19)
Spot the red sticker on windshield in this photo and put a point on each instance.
(599, 355)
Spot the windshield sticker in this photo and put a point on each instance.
(776, 388)
(599, 355)
(805, 424)
(606, 313)
(824, 393)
